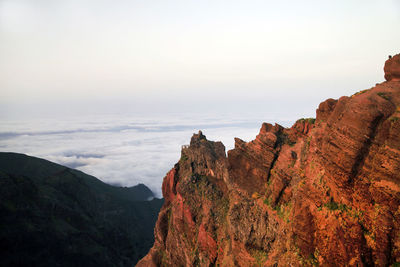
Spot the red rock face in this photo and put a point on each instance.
(392, 68)
(324, 192)
(250, 163)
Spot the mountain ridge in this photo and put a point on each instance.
(324, 192)
(139, 192)
(56, 216)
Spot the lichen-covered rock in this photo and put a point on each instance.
(324, 192)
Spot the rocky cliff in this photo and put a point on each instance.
(324, 192)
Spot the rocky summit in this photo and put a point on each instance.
(392, 68)
(324, 192)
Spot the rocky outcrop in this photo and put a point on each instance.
(392, 68)
(324, 192)
(250, 163)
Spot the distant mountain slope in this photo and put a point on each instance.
(52, 215)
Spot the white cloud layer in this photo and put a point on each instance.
(120, 150)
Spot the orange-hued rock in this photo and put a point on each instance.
(324, 192)
(250, 163)
(392, 68)
(207, 243)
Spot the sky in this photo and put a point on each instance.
(114, 88)
(100, 56)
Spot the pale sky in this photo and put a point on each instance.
(99, 56)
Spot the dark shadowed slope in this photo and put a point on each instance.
(52, 215)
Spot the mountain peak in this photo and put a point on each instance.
(392, 68)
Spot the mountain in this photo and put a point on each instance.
(52, 215)
(325, 192)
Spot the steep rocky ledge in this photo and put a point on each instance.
(323, 192)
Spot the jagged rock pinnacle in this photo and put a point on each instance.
(392, 68)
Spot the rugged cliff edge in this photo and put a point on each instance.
(323, 192)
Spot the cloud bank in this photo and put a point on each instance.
(120, 150)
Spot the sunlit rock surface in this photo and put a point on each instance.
(324, 192)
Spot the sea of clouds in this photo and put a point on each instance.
(121, 150)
